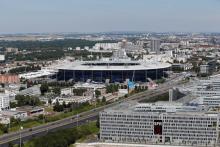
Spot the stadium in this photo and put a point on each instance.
(119, 68)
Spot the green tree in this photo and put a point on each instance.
(98, 122)
(103, 99)
(23, 100)
(112, 88)
(50, 101)
(41, 117)
(4, 128)
(57, 107)
(97, 93)
(64, 104)
(10, 144)
(21, 88)
(44, 88)
(56, 90)
(13, 105)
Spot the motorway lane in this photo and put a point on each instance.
(39, 130)
(31, 134)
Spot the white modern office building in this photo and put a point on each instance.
(208, 92)
(159, 123)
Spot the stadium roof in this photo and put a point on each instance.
(112, 65)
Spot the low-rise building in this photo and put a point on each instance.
(4, 120)
(31, 91)
(204, 69)
(72, 99)
(22, 115)
(31, 110)
(9, 79)
(11, 49)
(66, 91)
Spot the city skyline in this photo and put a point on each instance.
(28, 16)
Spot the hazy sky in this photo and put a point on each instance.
(29, 16)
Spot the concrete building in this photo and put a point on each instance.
(31, 110)
(38, 74)
(72, 99)
(208, 92)
(22, 115)
(159, 123)
(4, 120)
(11, 49)
(66, 91)
(204, 69)
(155, 45)
(32, 91)
(2, 58)
(4, 100)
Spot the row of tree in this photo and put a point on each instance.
(69, 107)
(112, 88)
(24, 69)
(23, 100)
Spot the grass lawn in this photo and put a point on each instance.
(27, 124)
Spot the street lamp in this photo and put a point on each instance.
(77, 120)
(21, 128)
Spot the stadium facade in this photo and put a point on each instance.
(119, 68)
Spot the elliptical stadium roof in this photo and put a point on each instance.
(113, 65)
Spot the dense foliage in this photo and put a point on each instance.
(22, 69)
(97, 93)
(55, 45)
(70, 106)
(44, 88)
(79, 92)
(23, 100)
(112, 88)
(63, 138)
(47, 50)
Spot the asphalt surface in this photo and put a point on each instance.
(81, 118)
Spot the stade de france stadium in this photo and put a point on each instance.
(118, 68)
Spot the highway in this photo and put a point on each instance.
(81, 118)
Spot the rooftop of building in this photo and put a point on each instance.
(29, 108)
(37, 74)
(34, 90)
(112, 65)
(11, 112)
(119, 61)
(162, 107)
(89, 85)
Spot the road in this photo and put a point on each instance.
(81, 118)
